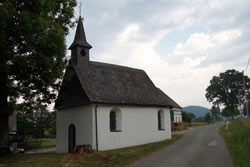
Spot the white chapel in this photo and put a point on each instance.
(108, 106)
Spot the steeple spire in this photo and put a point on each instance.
(80, 48)
(80, 38)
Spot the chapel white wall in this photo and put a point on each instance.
(139, 125)
(82, 118)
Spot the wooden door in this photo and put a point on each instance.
(72, 138)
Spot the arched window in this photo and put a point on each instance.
(115, 120)
(161, 122)
(112, 117)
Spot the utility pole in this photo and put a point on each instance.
(245, 94)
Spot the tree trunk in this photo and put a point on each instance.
(4, 120)
(4, 133)
(232, 114)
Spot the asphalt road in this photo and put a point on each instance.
(200, 147)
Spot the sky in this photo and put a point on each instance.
(181, 44)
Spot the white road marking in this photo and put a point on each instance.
(212, 143)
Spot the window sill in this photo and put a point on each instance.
(115, 131)
(161, 129)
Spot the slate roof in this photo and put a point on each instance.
(111, 84)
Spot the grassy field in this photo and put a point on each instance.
(113, 158)
(246, 122)
(48, 142)
(194, 124)
(42, 143)
(185, 125)
(237, 138)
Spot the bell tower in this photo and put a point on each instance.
(80, 47)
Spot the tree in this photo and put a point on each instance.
(32, 37)
(187, 116)
(41, 121)
(207, 117)
(25, 123)
(36, 121)
(226, 112)
(225, 88)
(215, 113)
(199, 119)
(245, 110)
(52, 123)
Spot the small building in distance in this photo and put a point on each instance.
(176, 115)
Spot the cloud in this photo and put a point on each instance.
(197, 43)
(212, 47)
(128, 33)
(132, 47)
(176, 18)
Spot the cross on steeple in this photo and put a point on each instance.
(80, 9)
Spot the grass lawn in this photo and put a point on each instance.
(194, 124)
(237, 139)
(246, 122)
(42, 143)
(48, 142)
(113, 158)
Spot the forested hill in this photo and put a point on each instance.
(198, 111)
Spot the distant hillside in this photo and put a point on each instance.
(198, 111)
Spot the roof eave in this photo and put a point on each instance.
(87, 45)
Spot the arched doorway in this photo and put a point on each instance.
(72, 138)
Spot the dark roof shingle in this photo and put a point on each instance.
(113, 84)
